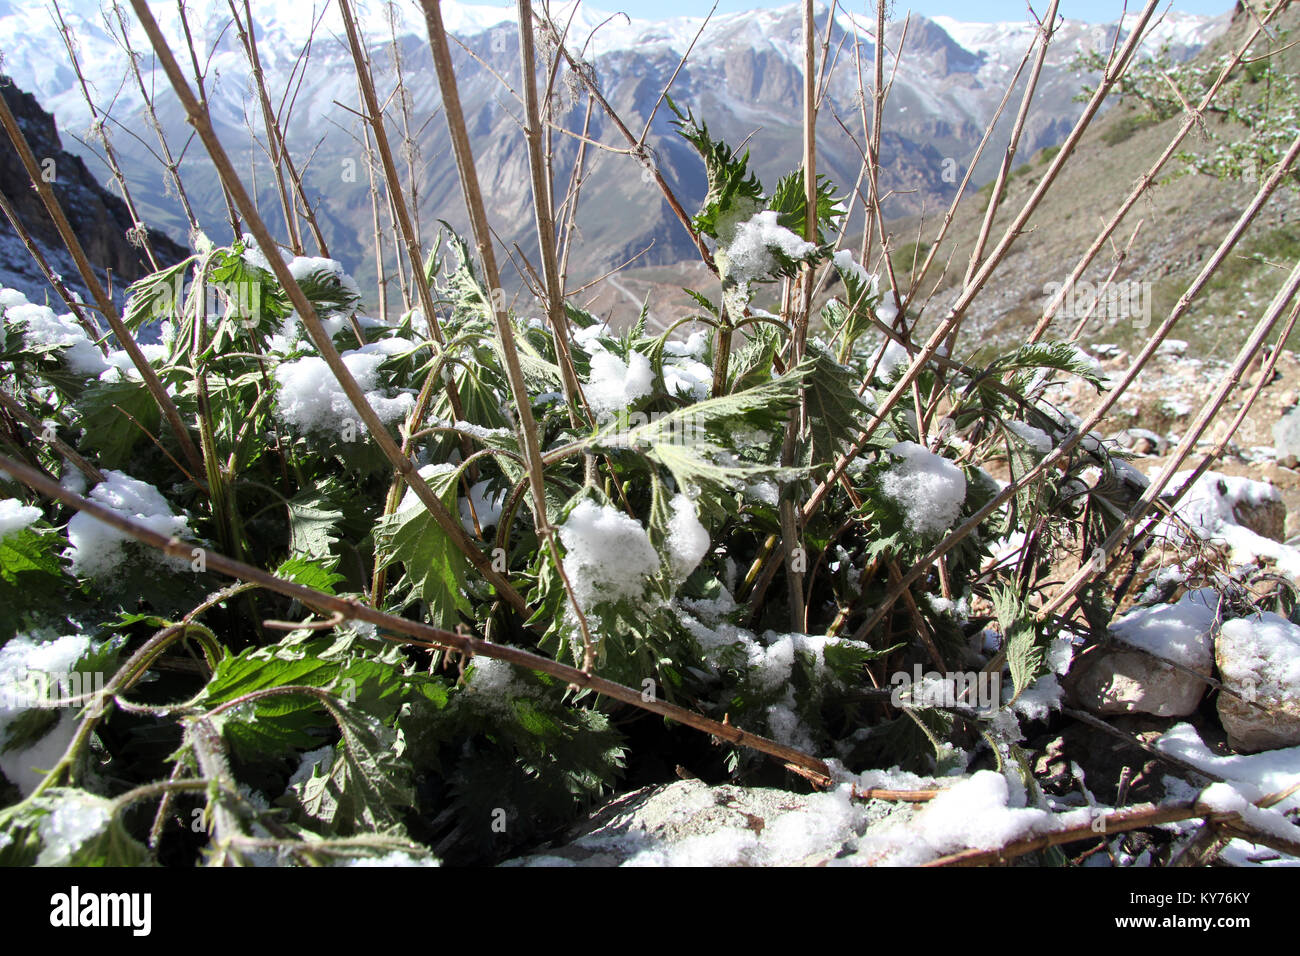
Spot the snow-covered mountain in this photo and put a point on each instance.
(743, 77)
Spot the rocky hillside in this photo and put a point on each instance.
(1182, 219)
(99, 217)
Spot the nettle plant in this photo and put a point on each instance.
(239, 725)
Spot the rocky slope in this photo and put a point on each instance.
(99, 218)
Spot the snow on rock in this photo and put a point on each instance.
(20, 657)
(1270, 771)
(614, 384)
(747, 252)
(41, 327)
(1259, 658)
(608, 554)
(929, 487)
(96, 548)
(312, 399)
(15, 516)
(1246, 516)
(1116, 680)
(980, 812)
(688, 823)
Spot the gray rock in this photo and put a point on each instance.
(1255, 659)
(1109, 681)
(1286, 435)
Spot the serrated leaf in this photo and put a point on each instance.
(313, 523)
(435, 567)
(733, 189)
(310, 574)
(835, 412)
(368, 782)
(1023, 640)
(107, 410)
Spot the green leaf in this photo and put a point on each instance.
(107, 410)
(313, 523)
(1023, 640)
(435, 567)
(310, 574)
(733, 190)
(31, 577)
(272, 726)
(368, 782)
(835, 412)
(791, 205)
(1058, 356)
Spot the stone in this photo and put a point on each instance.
(1132, 676)
(1259, 659)
(1141, 441)
(1286, 435)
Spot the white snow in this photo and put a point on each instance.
(487, 507)
(96, 548)
(892, 357)
(20, 657)
(694, 347)
(15, 516)
(930, 488)
(396, 858)
(1174, 632)
(687, 378)
(1263, 653)
(844, 261)
(608, 555)
(74, 820)
(1268, 772)
(1035, 438)
(1209, 507)
(121, 366)
(614, 384)
(40, 326)
(980, 812)
(748, 251)
(312, 399)
(688, 540)
(305, 267)
(494, 685)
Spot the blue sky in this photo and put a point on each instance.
(979, 10)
